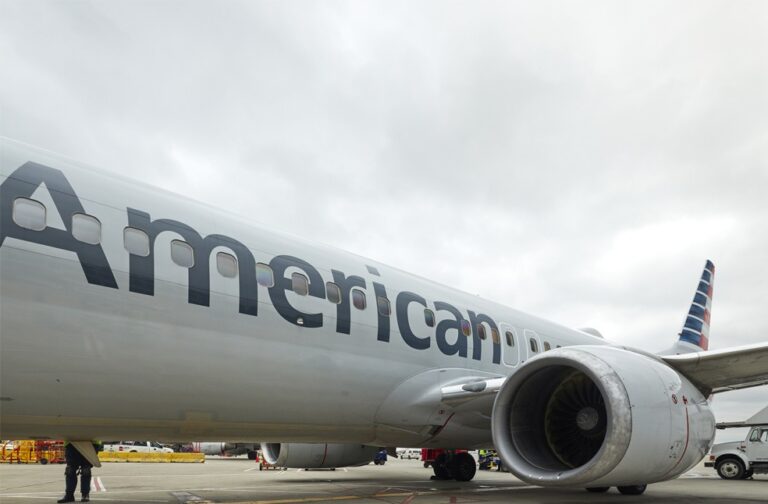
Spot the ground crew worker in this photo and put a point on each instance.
(76, 461)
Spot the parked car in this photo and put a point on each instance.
(136, 447)
(741, 459)
(408, 453)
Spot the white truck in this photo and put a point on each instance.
(742, 459)
(136, 447)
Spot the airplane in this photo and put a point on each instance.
(128, 312)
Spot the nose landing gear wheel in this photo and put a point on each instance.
(632, 489)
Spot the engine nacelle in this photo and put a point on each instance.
(226, 449)
(316, 456)
(600, 416)
(213, 448)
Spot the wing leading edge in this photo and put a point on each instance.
(722, 370)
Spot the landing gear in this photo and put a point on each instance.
(632, 489)
(598, 489)
(454, 466)
(462, 467)
(440, 467)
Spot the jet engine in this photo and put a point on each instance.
(226, 449)
(316, 456)
(598, 416)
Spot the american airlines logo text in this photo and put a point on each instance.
(27, 178)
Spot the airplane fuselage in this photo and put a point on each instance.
(211, 350)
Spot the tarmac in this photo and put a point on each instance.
(239, 481)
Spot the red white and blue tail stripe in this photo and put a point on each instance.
(696, 328)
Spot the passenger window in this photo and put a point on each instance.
(334, 292)
(510, 338)
(136, 241)
(226, 264)
(429, 317)
(358, 299)
(29, 214)
(534, 345)
(481, 331)
(466, 328)
(264, 275)
(383, 304)
(300, 284)
(547, 346)
(495, 336)
(182, 254)
(86, 228)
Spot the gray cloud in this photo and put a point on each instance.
(576, 160)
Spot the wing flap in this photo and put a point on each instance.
(722, 370)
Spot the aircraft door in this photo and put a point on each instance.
(757, 445)
(532, 344)
(510, 344)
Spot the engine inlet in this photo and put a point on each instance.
(575, 420)
(562, 418)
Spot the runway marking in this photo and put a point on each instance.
(189, 497)
(410, 498)
(251, 469)
(97, 485)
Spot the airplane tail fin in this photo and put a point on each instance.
(695, 334)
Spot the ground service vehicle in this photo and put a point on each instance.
(136, 447)
(742, 459)
(178, 318)
(409, 453)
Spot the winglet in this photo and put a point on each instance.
(696, 328)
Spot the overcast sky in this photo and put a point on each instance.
(576, 160)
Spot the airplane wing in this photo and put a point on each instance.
(722, 370)
(712, 372)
